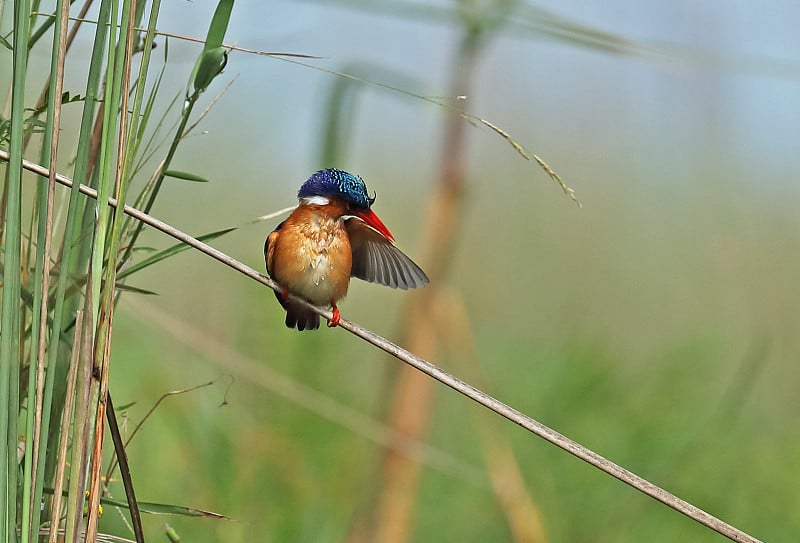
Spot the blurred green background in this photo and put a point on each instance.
(656, 325)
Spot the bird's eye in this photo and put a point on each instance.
(372, 200)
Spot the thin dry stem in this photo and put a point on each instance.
(66, 419)
(527, 155)
(471, 119)
(99, 427)
(112, 465)
(48, 237)
(274, 214)
(107, 305)
(63, 48)
(208, 108)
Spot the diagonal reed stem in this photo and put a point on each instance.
(478, 396)
(125, 470)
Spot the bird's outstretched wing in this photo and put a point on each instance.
(378, 260)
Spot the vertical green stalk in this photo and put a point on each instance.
(106, 178)
(80, 434)
(128, 144)
(105, 167)
(10, 331)
(134, 137)
(35, 457)
(62, 311)
(114, 148)
(34, 8)
(66, 422)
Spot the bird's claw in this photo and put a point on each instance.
(333, 322)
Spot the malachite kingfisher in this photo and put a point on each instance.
(331, 236)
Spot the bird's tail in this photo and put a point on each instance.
(298, 316)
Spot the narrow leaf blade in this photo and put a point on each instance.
(136, 290)
(166, 253)
(186, 176)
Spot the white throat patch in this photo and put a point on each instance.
(316, 200)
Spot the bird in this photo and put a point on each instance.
(331, 236)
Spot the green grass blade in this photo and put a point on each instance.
(12, 277)
(166, 509)
(170, 251)
(32, 489)
(105, 168)
(139, 121)
(136, 290)
(156, 139)
(219, 25)
(145, 118)
(70, 266)
(42, 29)
(185, 176)
(160, 508)
(209, 66)
(213, 58)
(113, 162)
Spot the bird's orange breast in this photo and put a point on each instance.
(310, 254)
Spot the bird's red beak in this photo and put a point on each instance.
(372, 219)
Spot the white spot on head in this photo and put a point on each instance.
(315, 200)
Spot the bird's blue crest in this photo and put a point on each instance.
(333, 182)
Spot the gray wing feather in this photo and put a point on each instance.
(378, 260)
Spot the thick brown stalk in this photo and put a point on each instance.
(523, 515)
(412, 398)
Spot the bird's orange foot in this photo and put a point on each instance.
(334, 321)
(285, 294)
